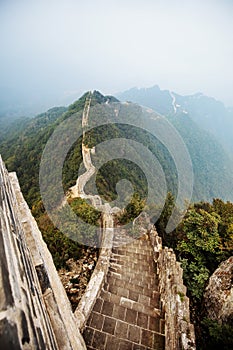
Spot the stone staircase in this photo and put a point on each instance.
(127, 314)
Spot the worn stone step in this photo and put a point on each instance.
(142, 295)
(139, 277)
(122, 336)
(127, 314)
(127, 250)
(109, 305)
(152, 283)
(133, 267)
(132, 246)
(124, 260)
(139, 306)
(119, 282)
(119, 312)
(135, 272)
(134, 256)
(127, 261)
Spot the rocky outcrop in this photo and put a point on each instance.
(219, 293)
(35, 312)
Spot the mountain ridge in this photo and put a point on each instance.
(208, 112)
(211, 163)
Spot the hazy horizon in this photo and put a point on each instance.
(53, 51)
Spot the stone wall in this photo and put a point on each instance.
(35, 312)
(179, 332)
(96, 282)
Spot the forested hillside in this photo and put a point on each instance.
(202, 241)
(208, 113)
(212, 164)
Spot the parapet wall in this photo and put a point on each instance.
(179, 332)
(96, 282)
(35, 312)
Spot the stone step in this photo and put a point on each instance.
(108, 333)
(127, 250)
(132, 247)
(109, 305)
(127, 314)
(125, 260)
(147, 282)
(142, 256)
(117, 280)
(133, 267)
(131, 291)
(106, 308)
(144, 305)
(136, 271)
(139, 277)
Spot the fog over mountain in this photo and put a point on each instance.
(207, 112)
(53, 51)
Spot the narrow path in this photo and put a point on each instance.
(127, 315)
(78, 189)
(173, 101)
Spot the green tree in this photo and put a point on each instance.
(198, 248)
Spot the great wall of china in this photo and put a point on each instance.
(135, 299)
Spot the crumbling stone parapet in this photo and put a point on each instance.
(35, 312)
(179, 332)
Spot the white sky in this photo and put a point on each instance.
(57, 47)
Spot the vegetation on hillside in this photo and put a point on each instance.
(203, 239)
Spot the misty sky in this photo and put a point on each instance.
(56, 49)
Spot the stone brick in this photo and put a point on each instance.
(131, 316)
(98, 305)
(123, 292)
(113, 289)
(109, 325)
(134, 334)
(88, 335)
(139, 347)
(159, 342)
(119, 283)
(107, 308)
(121, 330)
(115, 299)
(144, 299)
(97, 321)
(138, 307)
(154, 324)
(99, 340)
(112, 343)
(119, 312)
(105, 295)
(133, 295)
(126, 303)
(125, 345)
(147, 338)
(142, 320)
